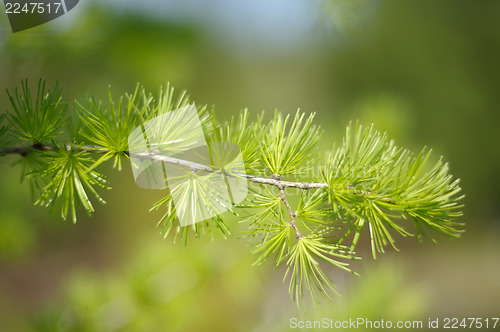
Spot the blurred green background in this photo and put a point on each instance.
(427, 72)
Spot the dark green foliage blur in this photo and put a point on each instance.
(424, 71)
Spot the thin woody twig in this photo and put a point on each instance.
(292, 214)
(24, 150)
(153, 155)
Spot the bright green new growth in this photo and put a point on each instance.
(69, 173)
(109, 125)
(285, 151)
(377, 183)
(367, 183)
(39, 121)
